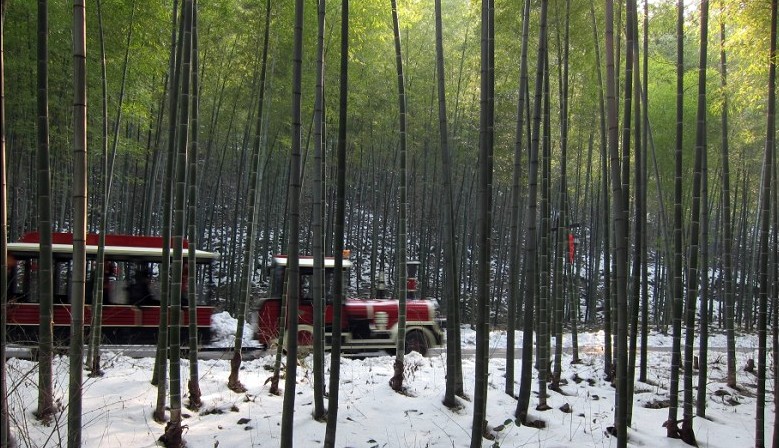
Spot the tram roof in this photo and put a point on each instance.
(118, 247)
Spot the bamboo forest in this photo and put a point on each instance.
(389, 223)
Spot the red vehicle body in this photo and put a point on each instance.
(126, 318)
(367, 324)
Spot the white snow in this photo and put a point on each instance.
(223, 329)
(118, 406)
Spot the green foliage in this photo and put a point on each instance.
(230, 34)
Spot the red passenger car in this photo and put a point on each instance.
(131, 310)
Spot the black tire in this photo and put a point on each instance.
(416, 342)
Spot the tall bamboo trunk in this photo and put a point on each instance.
(451, 284)
(193, 385)
(639, 207)
(643, 199)
(619, 226)
(396, 382)
(255, 180)
(561, 248)
(320, 413)
(604, 199)
(338, 231)
(672, 427)
(78, 281)
(45, 262)
(544, 294)
(160, 374)
(765, 210)
(173, 430)
(526, 377)
(293, 264)
(687, 432)
(702, 147)
(93, 358)
(486, 122)
(6, 439)
(515, 275)
(727, 224)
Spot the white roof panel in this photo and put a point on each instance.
(308, 262)
(110, 251)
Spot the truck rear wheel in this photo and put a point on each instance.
(416, 342)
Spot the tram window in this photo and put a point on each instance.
(111, 295)
(62, 275)
(28, 273)
(279, 286)
(19, 273)
(141, 290)
(306, 285)
(329, 287)
(277, 282)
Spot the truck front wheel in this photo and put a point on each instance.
(305, 342)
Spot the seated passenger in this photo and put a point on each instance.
(11, 276)
(139, 291)
(110, 270)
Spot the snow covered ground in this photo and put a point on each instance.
(118, 407)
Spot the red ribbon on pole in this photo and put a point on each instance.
(571, 247)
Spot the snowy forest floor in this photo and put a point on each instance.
(117, 408)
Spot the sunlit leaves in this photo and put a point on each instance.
(230, 33)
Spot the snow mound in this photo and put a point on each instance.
(223, 330)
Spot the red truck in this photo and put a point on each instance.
(366, 324)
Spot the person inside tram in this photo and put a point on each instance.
(11, 276)
(110, 270)
(139, 291)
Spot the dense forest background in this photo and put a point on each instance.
(646, 140)
(230, 35)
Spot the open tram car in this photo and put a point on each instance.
(131, 288)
